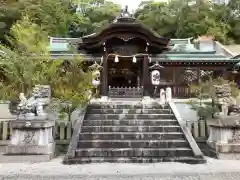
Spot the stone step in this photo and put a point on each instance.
(128, 116)
(127, 106)
(132, 136)
(131, 129)
(133, 144)
(132, 122)
(129, 111)
(81, 160)
(130, 152)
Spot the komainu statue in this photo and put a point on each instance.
(34, 107)
(226, 101)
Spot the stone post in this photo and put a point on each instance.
(162, 97)
(168, 94)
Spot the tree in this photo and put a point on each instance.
(72, 89)
(10, 12)
(55, 17)
(29, 63)
(157, 16)
(184, 19)
(233, 11)
(92, 15)
(206, 90)
(61, 18)
(20, 69)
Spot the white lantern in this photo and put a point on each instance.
(116, 60)
(96, 78)
(155, 77)
(134, 59)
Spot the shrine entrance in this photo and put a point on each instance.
(125, 47)
(124, 77)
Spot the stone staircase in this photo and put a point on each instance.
(131, 134)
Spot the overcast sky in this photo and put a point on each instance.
(132, 4)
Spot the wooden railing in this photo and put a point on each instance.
(63, 131)
(179, 91)
(182, 91)
(125, 92)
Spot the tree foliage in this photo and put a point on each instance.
(177, 19)
(60, 18)
(29, 63)
(25, 63)
(206, 90)
(183, 19)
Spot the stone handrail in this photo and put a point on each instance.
(76, 131)
(196, 150)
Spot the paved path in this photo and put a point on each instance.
(219, 176)
(213, 170)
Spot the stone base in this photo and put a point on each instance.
(30, 149)
(226, 151)
(229, 156)
(224, 136)
(31, 139)
(225, 148)
(25, 158)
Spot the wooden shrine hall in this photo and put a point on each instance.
(135, 61)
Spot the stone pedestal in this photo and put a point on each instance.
(32, 139)
(224, 136)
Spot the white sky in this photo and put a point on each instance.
(132, 4)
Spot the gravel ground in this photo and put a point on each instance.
(213, 170)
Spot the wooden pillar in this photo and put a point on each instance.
(225, 74)
(198, 75)
(104, 77)
(145, 76)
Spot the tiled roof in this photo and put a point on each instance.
(235, 49)
(182, 50)
(62, 44)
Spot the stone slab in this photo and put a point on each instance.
(26, 158)
(229, 156)
(225, 121)
(30, 149)
(225, 148)
(19, 124)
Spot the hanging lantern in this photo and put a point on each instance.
(150, 59)
(96, 78)
(134, 59)
(155, 77)
(116, 60)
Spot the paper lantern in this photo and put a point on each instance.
(96, 78)
(155, 77)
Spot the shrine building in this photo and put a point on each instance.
(135, 61)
